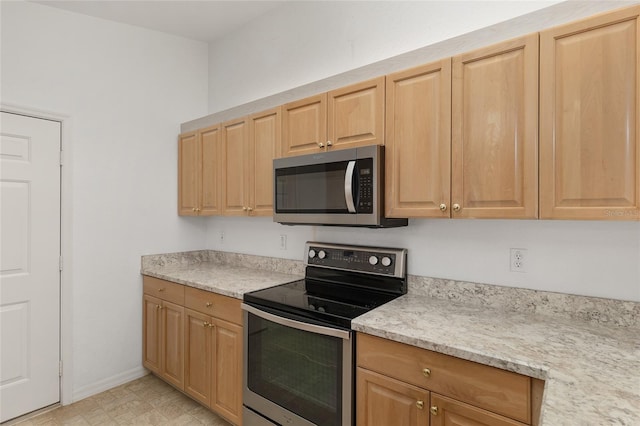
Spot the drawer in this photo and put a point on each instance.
(486, 387)
(216, 305)
(164, 290)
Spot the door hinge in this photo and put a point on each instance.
(60, 262)
(60, 369)
(61, 157)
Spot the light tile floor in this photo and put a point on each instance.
(145, 401)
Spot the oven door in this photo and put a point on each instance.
(296, 373)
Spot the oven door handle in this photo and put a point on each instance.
(317, 329)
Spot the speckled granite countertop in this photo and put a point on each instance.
(591, 371)
(221, 273)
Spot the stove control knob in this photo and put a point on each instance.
(386, 261)
(322, 254)
(312, 254)
(312, 307)
(373, 260)
(321, 309)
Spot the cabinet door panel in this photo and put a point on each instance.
(494, 133)
(235, 144)
(264, 142)
(383, 401)
(151, 333)
(304, 126)
(188, 174)
(589, 114)
(450, 412)
(211, 171)
(227, 380)
(197, 344)
(356, 115)
(418, 142)
(173, 344)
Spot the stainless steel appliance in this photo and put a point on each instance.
(344, 187)
(298, 343)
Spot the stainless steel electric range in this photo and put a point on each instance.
(299, 349)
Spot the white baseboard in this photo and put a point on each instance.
(108, 383)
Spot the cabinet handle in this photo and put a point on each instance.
(208, 304)
(158, 307)
(198, 209)
(250, 209)
(210, 325)
(426, 372)
(420, 405)
(205, 324)
(456, 207)
(320, 144)
(329, 143)
(434, 410)
(161, 289)
(244, 208)
(193, 209)
(443, 207)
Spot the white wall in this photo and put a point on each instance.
(306, 41)
(126, 91)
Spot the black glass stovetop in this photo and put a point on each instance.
(320, 302)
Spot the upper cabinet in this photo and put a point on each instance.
(344, 118)
(264, 146)
(250, 145)
(235, 146)
(589, 115)
(418, 141)
(494, 131)
(199, 172)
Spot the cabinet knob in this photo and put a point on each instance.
(320, 145)
(198, 209)
(193, 209)
(158, 307)
(161, 289)
(329, 143)
(205, 324)
(434, 410)
(208, 304)
(443, 207)
(250, 209)
(426, 372)
(420, 405)
(244, 208)
(456, 207)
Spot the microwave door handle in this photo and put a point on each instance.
(348, 184)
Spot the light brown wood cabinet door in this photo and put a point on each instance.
(197, 349)
(383, 401)
(494, 132)
(226, 397)
(356, 115)
(304, 126)
(173, 344)
(264, 145)
(589, 115)
(188, 174)
(151, 330)
(449, 412)
(418, 141)
(211, 160)
(235, 136)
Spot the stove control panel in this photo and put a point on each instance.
(373, 260)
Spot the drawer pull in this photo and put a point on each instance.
(434, 410)
(420, 404)
(426, 372)
(208, 304)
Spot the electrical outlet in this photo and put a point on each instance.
(517, 259)
(221, 237)
(283, 242)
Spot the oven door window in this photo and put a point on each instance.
(298, 370)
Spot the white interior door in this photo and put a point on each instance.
(29, 264)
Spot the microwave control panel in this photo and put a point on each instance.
(365, 186)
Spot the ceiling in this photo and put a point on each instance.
(201, 20)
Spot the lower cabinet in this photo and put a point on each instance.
(195, 344)
(404, 385)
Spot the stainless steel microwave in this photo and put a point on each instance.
(343, 187)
